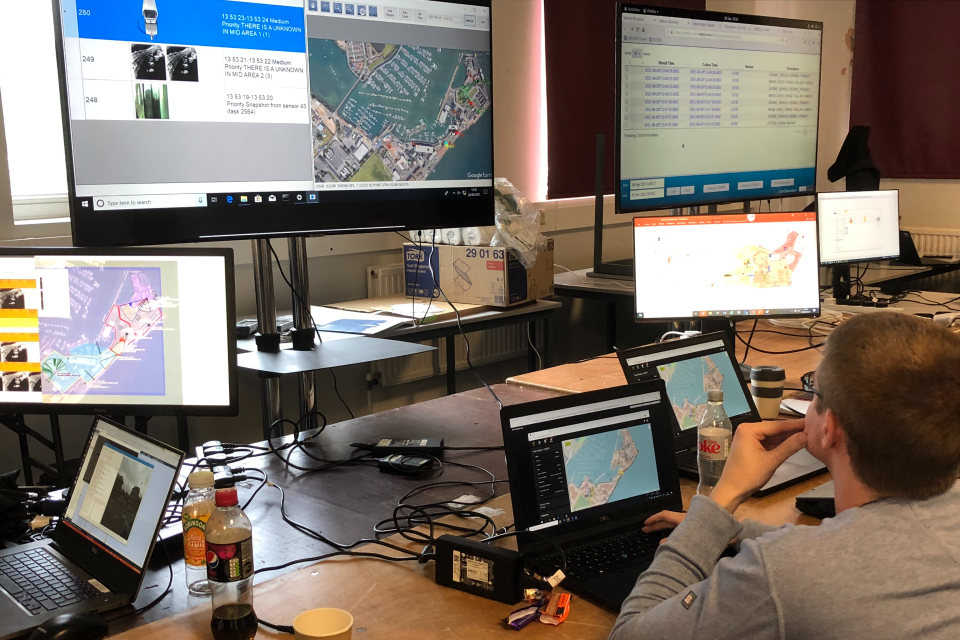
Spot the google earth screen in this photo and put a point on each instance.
(736, 265)
(714, 107)
(231, 112)
(114, 330)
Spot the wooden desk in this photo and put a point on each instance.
(388, 600)
(605, 372)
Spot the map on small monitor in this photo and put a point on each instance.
(610, 466)
(112, 341)
(688, 382)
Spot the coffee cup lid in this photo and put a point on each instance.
(768, 373)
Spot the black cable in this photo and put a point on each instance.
(780, 353)
(456, 311)
(749, 340)
(312, 322)
(156, 600)
(254, 494)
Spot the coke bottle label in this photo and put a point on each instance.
(230, 562)
(714, 448)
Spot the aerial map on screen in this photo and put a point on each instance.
(112, 343)
(606, 467)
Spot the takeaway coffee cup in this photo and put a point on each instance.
(766, 387)
(323, 624)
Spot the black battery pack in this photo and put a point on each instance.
(425, 446)
(481, 569)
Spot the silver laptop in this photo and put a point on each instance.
(97, 556)
(690, 367)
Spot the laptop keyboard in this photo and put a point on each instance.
(687, 461)
(40, 583)
(607, 556)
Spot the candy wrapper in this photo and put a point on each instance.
(556, 610)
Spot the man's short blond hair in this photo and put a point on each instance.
(893, 381)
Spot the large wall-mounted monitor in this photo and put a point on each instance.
(714, 107)
(194, 120)
(118, 332)
(734, 266)
(858, 226)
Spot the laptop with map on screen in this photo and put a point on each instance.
(690, 367)
(585, 471)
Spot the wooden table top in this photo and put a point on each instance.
(401, 601)
(387, 600)
(605, 372)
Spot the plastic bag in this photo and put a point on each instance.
(518, 223)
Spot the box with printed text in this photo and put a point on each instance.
(476, 275)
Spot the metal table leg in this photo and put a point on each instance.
(451, 364)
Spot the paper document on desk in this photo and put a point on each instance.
(795, 405)
(342, 321)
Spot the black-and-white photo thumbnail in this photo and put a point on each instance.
(149, 62)
(15, 381)
(13, 352)
(12, 299)
(36, 382)
(182, 64)
(125, 497)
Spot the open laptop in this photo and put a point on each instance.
(691, 367)
(99, 550)
(585, 471)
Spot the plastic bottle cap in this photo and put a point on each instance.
(200, 480)
(227, 497)
(715, 395)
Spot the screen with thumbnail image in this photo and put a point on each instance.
(122, 491)
(103, 330)
(733, 265)
(227, 110)
(858, 226)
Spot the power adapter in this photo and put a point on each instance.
(481, 569)
(389, 446)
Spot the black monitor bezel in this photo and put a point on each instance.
(687, 438)
(735, 318)
(835, 263)
(71, 409)
(401, 211)
(78, 547)
(621, 513)
(717, 16)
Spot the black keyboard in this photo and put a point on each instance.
(607, 556)
(40, 583)
(687, 462)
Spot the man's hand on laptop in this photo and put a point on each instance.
(757, 451)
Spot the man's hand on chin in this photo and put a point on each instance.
(757, 451)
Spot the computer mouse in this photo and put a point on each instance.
(71, 626)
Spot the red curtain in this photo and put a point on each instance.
(580, 51)
(906, 85)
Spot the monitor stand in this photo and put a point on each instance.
(618, 269)
(841, 283)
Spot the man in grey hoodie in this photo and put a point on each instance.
(886, 423)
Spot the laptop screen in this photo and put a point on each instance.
(121, 493)
(590, 456)
(690, 368)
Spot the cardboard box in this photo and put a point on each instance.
(477, 275)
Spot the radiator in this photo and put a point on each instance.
(936, 242)
(489, 345)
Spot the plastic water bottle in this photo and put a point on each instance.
(197, 509)
(229, 537)
(713, 442)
